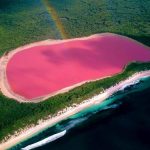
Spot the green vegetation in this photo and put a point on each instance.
(129, 18)
(22, 22)
(26, 21)
(15, 115)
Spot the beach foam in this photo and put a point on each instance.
(45, 141)
(68, 112)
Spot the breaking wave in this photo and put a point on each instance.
(45, 141)
(129, 85)
(113, 106)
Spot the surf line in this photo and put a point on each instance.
(52, 12)
(45, 141)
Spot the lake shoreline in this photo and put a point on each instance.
(67, 112)
(7, 90)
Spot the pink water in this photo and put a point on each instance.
(42, 70)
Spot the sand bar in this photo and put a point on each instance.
(24, 134)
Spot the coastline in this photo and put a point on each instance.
(43, 124)
(8, 92)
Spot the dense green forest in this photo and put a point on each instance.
(15, 115)
(26, 21)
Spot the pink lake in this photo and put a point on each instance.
(42, 70)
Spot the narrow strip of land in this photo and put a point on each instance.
(28, 132)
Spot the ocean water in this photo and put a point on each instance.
(121, 122)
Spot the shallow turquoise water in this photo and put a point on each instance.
(80, 126)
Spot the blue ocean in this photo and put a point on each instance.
(121, 122)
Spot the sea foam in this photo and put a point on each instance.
(45, 141)
(129, 84)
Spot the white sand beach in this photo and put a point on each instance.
(43, 124)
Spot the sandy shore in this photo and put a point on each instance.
(6, 90)
(28, 132)
(4, 85)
